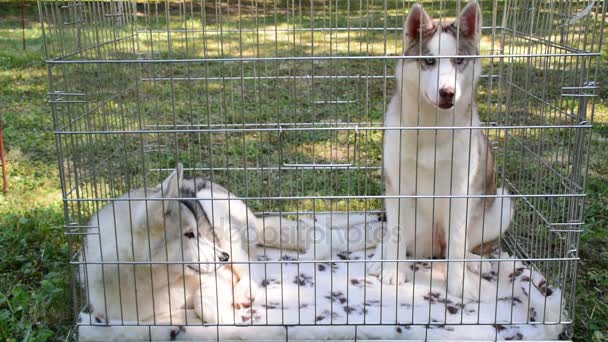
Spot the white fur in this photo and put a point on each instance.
(232, 218)
(160, 285)
(442, 76)
(156, 283)
(435, 163)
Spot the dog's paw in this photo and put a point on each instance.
(212, 310)
(391, 273)
(479, 267)
(455, 287)
(245, 293)
(473, 285)
(213, 314)
(468, 288)
(175, 332)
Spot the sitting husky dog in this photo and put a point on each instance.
(165, 255)
(438, 92)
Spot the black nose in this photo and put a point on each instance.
(224, 257)
(447, 93)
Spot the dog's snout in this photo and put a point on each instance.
(446, 97)
(447, 93)
(224, 257)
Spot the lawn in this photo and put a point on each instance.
(35, 286)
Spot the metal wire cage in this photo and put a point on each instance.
(282, 102)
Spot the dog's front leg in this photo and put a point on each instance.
(460, 281)
(213, 310)
(393, 246)
(212, 299)
(249, 276)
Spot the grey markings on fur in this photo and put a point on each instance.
(418, 47)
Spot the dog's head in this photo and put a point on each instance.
(443, 82)
(180, 229)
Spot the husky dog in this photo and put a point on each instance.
(154, 259)
(186, 244)
(438, 92)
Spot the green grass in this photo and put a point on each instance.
(35, 292)
(35, 295)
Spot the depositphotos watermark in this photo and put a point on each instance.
(304, 233)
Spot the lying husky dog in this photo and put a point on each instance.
(154, 259)
(438, 92)
(171, 252)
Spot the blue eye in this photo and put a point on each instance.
(458, 61)
(429, 61)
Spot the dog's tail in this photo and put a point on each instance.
(317, 236)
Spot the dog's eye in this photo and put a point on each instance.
(189, 235)
(429, 61)
(458, 61)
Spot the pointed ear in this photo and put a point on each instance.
(170, 186)
(150, 215)
(469, 21)
(417, 23)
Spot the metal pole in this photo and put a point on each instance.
(22, 6)
(3, 159)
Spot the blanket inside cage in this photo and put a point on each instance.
(337, 300)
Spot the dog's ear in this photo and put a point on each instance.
(417, 23)
(151, 214)
(170, 186)
(469, 21)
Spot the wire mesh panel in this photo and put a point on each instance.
(282, 103)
